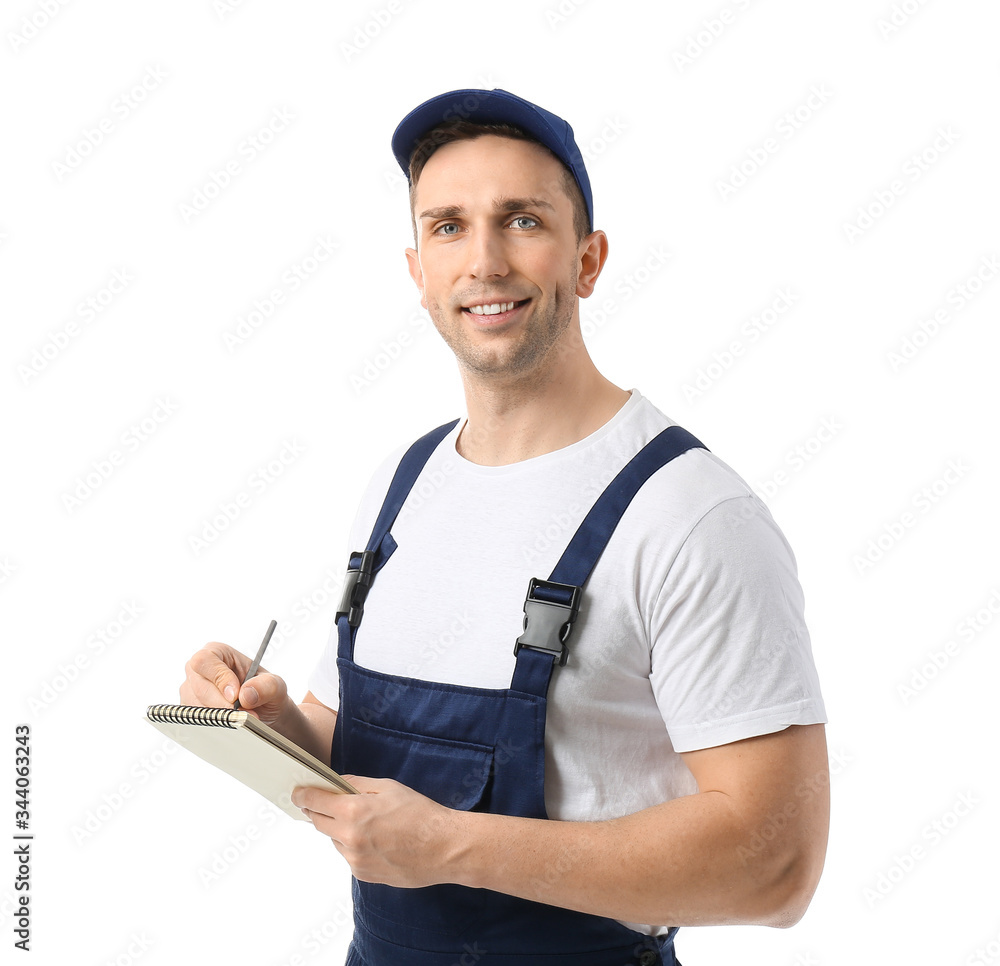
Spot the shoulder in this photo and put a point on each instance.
(693, 485)
(697, 521)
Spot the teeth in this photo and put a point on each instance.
(495, 309)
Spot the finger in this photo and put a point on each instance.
(203, 692)
(212, 672)
(263, 689)
(369, 786)
(329, 827)
(321, 801)
(305, 798)
(198, 690)
(215, 652)
(219, 662)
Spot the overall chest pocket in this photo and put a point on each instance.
(453, 773)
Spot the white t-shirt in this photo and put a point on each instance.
(690, 632)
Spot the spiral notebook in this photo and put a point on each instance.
(249, 750)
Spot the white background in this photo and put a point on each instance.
(144, 854)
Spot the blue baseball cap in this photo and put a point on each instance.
(491, 107)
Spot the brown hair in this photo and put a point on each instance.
(460, 130)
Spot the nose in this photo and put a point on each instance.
(486, 252)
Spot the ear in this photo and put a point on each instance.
(413, 263)
(592, 254)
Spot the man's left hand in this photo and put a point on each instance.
(389, 833)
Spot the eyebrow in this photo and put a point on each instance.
(499, 205)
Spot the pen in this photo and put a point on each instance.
(252, 670)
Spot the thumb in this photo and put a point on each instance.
(266, 693)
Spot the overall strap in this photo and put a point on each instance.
(590, 539)
(402, 482)
(363, 565)
(552, 605)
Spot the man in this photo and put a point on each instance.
(636, 745)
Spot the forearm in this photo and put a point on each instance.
(310, 726)
(689, 861)
(748, 848)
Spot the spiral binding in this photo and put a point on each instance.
(193, 715)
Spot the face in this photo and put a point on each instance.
(497, 261)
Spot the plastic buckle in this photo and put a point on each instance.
(356, 586)
(546, 623)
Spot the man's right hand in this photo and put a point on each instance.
(213, 681)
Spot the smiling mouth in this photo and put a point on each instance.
(494, 308)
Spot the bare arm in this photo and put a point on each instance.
(310, 725)
(748, 847)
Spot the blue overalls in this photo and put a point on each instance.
(478, 749)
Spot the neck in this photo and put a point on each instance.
(519, 418)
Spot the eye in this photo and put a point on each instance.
(440, 230)
(521, 218)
